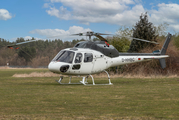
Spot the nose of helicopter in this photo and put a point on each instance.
(58, 67)
(51, 67)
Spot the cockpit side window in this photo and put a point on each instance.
(64, 56)
(88, 57)
(78, 58)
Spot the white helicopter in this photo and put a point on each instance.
(90, 57)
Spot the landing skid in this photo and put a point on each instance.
(84, 81)
(61, 78)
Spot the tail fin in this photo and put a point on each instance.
(163, 51)
(165, 45)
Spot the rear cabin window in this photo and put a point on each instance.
(88, 57)
(78, 58)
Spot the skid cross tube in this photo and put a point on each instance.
(101, 84)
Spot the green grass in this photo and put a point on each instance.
(43, 98)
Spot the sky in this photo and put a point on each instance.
(58, 19)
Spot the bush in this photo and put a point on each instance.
(152, 67)
(176, 40)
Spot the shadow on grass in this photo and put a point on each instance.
(49, 84)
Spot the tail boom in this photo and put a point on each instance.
(127, 58)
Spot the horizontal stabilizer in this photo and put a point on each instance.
(162, 63)
(156, 57)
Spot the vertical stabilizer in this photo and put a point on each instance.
(165, 45)
(163, 51)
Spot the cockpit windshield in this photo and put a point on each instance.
(64, 56)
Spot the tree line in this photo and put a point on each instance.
(38, 53)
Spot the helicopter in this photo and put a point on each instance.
(90, 57)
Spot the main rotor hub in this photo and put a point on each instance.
(91, 33)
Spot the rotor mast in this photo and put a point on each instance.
(89, 34)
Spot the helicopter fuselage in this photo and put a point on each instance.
(79, 62)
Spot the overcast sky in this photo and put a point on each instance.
(50, 19)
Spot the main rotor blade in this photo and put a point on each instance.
(139, 39)
(145, 40)
(80, 34)
(90, 33)
(21, 43)
(102, 34)
(101, 38)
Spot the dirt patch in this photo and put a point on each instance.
(36, 74)
(101, 75)
(7, 67)
(4, 67)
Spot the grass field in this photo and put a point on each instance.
(128, 98)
